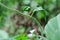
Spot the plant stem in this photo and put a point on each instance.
(41, 29)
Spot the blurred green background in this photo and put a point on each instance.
(18, 17)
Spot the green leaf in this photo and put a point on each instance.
(25, 8)
(33, 4)
(21, 37)
(52, 29)
(26, 1)
(39, 1)
(41, 14)
(38, 9)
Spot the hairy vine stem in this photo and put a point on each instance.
(41, 29)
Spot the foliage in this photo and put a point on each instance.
(37, 11)
(52, 28)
